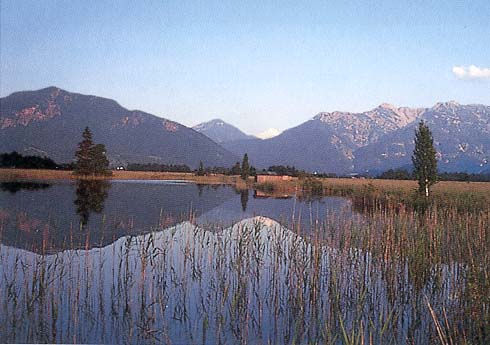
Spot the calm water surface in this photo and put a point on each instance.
(47, 218)
(180, 263)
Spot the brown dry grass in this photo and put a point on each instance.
(444, 189)
(408, 186)
(464, 196)
(19, 174)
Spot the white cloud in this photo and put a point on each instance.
(471, 72)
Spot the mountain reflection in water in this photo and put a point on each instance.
(86, 214)
(256, 282)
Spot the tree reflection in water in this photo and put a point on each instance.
(244, 199)
(91, 195)
(17, 186)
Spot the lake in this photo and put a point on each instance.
(180, 263)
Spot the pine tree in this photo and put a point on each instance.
(84, 154)
(100, 163)
(91, 158)
(245, 167)
(424, 159)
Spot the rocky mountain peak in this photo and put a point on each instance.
(446, 105)
(330, 117)
(400, 116)
(385, 115)
(388, 106)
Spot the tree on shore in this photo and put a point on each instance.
(201, 171)
(91, 158)
(245, 170)
(424, 159)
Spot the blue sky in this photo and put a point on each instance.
(255, 64)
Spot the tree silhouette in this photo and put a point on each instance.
(424, 159)
(245, 170)
(91, 158)
(100, 162)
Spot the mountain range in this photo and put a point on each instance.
(377, 140)
(461, 137)
(50, 121)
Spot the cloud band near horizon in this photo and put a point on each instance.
(471, 72)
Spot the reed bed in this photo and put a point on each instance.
(464, 196)
(391, 275)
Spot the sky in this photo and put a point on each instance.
(254, 64)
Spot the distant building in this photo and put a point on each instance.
(357, 176)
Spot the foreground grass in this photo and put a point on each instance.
(395, 277)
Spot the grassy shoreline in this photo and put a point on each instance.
(38, 174)
(346, 185)
(465, 195)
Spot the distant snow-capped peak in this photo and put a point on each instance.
(269, 133)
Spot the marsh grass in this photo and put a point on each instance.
(392, 274)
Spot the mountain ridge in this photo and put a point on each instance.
(220, 131)
(50, 121)
(362, 139)
(461, 137)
